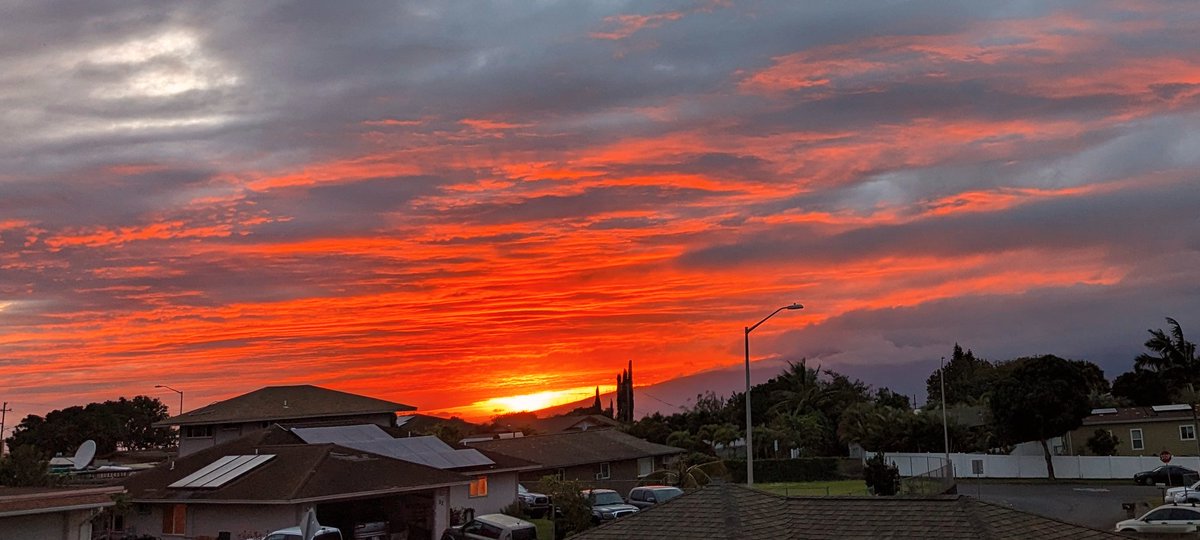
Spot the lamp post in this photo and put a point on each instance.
(749, 424)
(180, 392)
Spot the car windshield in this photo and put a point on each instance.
(606, 497)
(521, 489)
(279, 536)
(666, 494)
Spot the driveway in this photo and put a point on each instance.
(1091, 504)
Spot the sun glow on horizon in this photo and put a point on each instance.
(526, 402)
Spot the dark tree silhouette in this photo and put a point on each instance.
(1039, 398)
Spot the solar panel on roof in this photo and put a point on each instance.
(426, 450)
(1164, 408)
(341, 434)
(221, 471)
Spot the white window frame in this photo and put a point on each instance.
(1189, 427)
(1138, 442)
(647, 469)
(605, 472)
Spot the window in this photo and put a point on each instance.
(645, 466)
(478, 487)
(604, 472)
(561, 474)
(1187, 432)
(174, 519)
(195, 432)
(1135, 439)
(1162, 514)
(636, 495)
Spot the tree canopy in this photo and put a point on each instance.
(124, 424)
(1041, 397)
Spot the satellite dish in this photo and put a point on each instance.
(85, 454)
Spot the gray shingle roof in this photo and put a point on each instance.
(570, 448)
(730, 511)
(277, 403)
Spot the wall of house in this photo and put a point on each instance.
(502, 491)
(223, 433)
(623, 475)
(243, 521)
(67, 525)
(1156, 437)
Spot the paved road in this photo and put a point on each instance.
(1092, 505)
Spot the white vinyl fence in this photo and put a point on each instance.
(1002, 466)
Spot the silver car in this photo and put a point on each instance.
(1166, 519)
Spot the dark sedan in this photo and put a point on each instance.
(1171, 475)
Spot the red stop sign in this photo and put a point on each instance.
(1165, 456)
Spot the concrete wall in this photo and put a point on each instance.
(67, 525)
(1001, 466)
(502, 491)
(243, 521)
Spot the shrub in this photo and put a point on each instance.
(882, 477)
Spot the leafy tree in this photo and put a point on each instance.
(25, 466)
(124, 424)
(887, 398)
(882, 477)
(967, 379)
(1103, 443)
(1142, 388)
(1039, 398)
(568, 498)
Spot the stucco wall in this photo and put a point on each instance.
(243, 521)
(502, 491)
(68, 525)
(1156, 437)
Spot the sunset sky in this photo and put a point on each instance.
(440, 203)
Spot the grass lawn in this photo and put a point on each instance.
(830, 487)
(545, 528)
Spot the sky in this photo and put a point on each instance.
(448, 203)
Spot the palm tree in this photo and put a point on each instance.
(803, 391)
(684, 475)
(1174, 356)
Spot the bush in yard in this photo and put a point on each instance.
(1103, 443)
(574, 514)
(882, 477)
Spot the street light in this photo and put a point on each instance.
(180, 392)
(749, 424)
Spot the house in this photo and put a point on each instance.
(350, 475)
(493, 477)
(722, 510)
(575, 422)
(227, 420)
(1143, 431)
(51, 513)
(602, 458)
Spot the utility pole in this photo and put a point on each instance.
(945, 427)
(3, 413)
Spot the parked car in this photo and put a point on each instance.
(293, 533)
(607, 505)
(492, 527)
(647, 496)
(1183, 494)
(1172, 475)
(1166, 519)
(534, 505)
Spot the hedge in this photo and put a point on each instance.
(785, 470)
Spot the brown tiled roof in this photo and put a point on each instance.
(26, 501)
(569, 448)
(730, 511)
(1136, 415)
(298, 472)
(276, 403)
